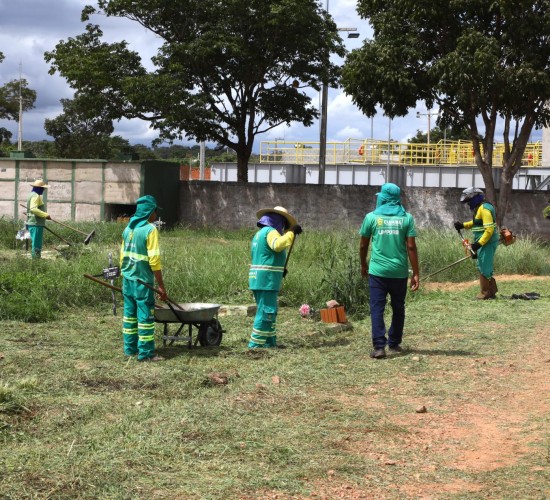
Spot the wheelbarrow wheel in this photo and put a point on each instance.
(211, 333)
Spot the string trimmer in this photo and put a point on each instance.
(507, 238)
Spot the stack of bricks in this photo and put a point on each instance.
(334, 315)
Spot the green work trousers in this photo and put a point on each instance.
(263, 330)
(138, 322)
(485, 259)
(37, 233)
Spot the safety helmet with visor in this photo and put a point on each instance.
(470, 193)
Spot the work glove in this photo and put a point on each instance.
(475, 247)
(459, 226)
(285, 272)
(297, 229)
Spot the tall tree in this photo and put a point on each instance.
(226, 71)
(79, 133)
(436, 135)
(10, 93)
(478, 62)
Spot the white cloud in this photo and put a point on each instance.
(348, 133)
(28, 28)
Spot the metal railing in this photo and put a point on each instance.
(375, 152)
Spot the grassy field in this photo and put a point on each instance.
(318, 419)
(212, 266)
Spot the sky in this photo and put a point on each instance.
(28, 28)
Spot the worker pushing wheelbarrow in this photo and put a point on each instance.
(140, 267)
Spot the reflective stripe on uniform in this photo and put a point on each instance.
(267, 268)
(146, 338)
(481, 229)
(269, 333)
(135, 256)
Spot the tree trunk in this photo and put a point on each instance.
(503, 197)
(509, 170)
(242, 169)
(487, 174)
(243, 150)
(242, 164)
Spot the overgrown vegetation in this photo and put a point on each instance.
(212, 266)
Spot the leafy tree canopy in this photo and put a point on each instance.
(225, 72)
(476, 61)
(78, 134)
(9, 97)
(437, 135)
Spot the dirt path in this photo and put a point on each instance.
(449, 286)
(504, 420)
(497, 427)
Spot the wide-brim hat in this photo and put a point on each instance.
(278, 210)
(39, 183)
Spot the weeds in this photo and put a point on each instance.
(211, 265)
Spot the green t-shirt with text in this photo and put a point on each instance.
(388, 235)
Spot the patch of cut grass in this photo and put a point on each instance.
(86, 422)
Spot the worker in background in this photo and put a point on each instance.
(483, 226)
(140, 261)
(36, 216)
(391, 229)
(268, 250)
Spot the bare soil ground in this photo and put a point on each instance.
(447, 286)
(494, 429)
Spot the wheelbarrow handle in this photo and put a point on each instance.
(108, 285)
(168, 299)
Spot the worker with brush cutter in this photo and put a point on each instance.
(36, 217)
(483, 226)
(140, 262)
(277, 232)
(392, 232)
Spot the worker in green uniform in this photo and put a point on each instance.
(36, 216)
(483, 226)
(268, 250)
(391, 229)
(140, 261)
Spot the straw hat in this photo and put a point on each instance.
(39, 183)
(277, 210)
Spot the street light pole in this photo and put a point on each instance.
(202, 155)
(323, 119)
(323, 127)
(20, 125)
(323, 134)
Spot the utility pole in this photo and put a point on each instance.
(323, 134)
(20, 99)
(323, 121)
(202, 154)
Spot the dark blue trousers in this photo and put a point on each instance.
(379, 290)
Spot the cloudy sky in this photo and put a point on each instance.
(28, 28)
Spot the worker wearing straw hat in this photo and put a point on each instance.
(36, 216)
(278, 228)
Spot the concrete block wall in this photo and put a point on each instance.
(86, 190)
(234, 205)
